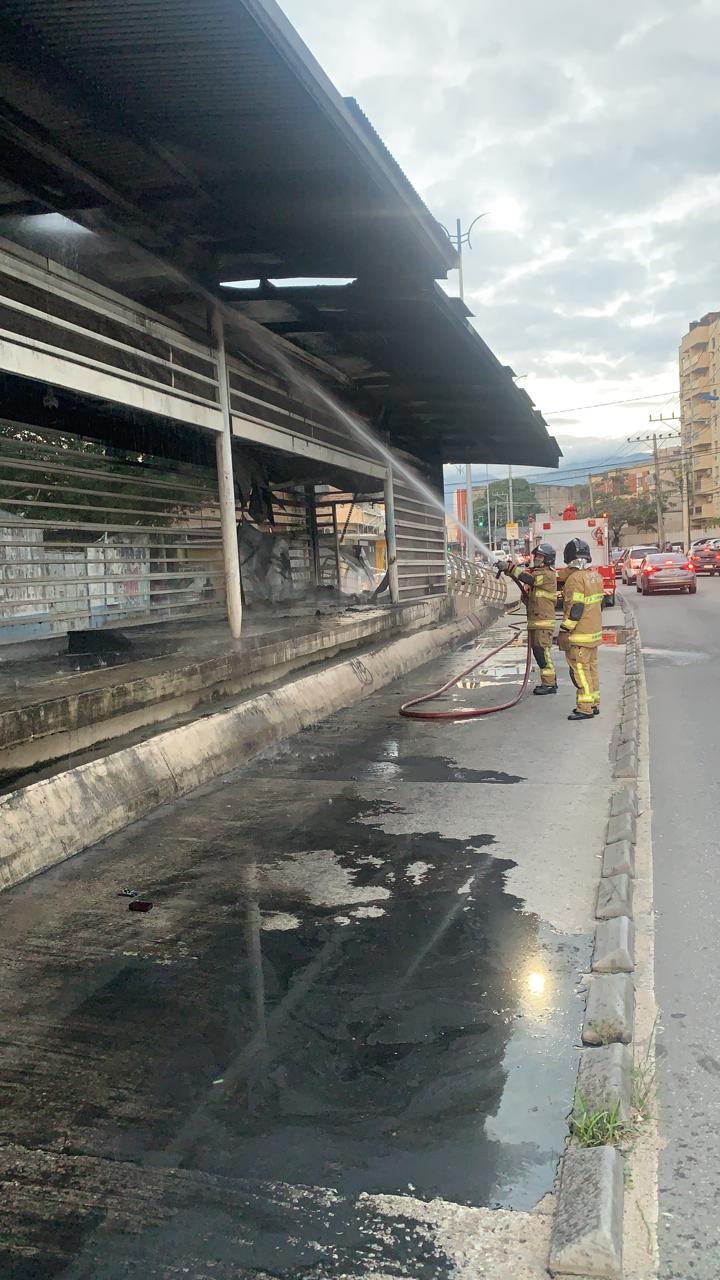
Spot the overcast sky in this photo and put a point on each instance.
(590, 131)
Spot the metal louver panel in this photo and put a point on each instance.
(91, 536)
(421, 543)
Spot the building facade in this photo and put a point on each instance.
(636, 483)
(699, 381)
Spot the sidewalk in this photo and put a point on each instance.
(341, 1043)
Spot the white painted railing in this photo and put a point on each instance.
(475, 579)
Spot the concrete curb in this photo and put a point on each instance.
(52, 820)
(588, 1231)
(587, 1236)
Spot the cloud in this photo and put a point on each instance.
(590, 134)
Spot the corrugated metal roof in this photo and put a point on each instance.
(415, 354)
(226, 93)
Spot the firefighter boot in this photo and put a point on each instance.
(542, 652)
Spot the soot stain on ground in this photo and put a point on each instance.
(397, 1051)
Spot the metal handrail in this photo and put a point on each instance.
(476, 579)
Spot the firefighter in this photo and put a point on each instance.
(581, 628)
(540, 597)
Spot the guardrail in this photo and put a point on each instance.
(475, 579)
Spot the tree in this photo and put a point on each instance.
(622, 511)
(524, 504)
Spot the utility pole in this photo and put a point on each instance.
(511, 508)
(654, 436)
(685, 497)
(658, 495)
(487, 499)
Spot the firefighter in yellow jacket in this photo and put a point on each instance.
(581, 628)
(541, 594)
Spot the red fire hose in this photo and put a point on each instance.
(470, 713)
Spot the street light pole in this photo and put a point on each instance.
(459, 239)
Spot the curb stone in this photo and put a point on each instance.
(619, 859)
(614, 897)
(621, 827)
(610, 1009)
(624, 801)
(626, 764)
(605, 1079)
(614, 950)
(587, 1237)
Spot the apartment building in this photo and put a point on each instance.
(699, 381)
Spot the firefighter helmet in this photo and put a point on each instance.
(547, 552)
(576, 549)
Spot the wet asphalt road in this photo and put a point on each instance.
(681, 640)
(361, 975)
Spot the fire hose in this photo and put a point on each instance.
(408, 709)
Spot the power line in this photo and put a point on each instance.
(540, 477)
(654, 395)
(607, 404)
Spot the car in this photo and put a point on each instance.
(633, 560)
(666, 571)
(706, 559)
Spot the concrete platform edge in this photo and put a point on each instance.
(49, 821)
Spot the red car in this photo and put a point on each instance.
(706, 559)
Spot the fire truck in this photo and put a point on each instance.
(593, 530)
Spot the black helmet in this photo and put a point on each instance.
(546, 551)
(576, 549)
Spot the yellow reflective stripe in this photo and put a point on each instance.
(568, 625)
(594, 599)
(587, 637)
(586, 695)
(578, 597)
(545, 595)
(549, 662)
(542, 624)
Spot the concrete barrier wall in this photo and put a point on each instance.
(47, 822)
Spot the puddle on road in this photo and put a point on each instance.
(384, 762)
(374, 1020)
(675, 657)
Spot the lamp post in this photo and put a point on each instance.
(459, 239)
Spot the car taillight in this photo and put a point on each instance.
(691, 567)
(652, 568)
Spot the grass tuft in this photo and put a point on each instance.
(597, 1128)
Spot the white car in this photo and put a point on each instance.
(633, 560)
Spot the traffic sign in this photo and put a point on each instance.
(511, 531)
